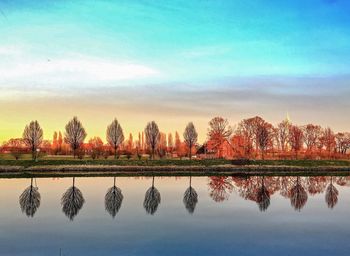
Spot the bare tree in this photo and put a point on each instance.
(190, 137)
(152, 136)
(219, 131)
(329, 140)
(75, 134)
(311, 134)
(264, 136)
(342, 140)
(33, 137)
(249, 129)
(295, 139)
(282, 135)
(115, 135)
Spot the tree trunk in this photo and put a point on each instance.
(190, 151)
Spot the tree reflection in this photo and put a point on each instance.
(331, 195)
(113, 200)
(298, 195)
(29, 200)
(72, 201)
(220, 188)
(286, 184)
(152, 199)
(263, 197)
(190, 198)
(316, 185)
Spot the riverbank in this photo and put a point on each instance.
(81, 169)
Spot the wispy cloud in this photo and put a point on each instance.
(75, 70)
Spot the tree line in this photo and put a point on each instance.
(252, 138)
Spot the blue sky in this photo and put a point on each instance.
(187, 40)
(289, 48)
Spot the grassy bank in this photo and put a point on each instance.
(87, 167)
(172, 162)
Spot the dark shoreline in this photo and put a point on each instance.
(220, 170)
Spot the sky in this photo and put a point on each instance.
(172, 62)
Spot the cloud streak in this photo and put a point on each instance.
(75, 70)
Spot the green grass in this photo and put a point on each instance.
(6, 159)
(303, 163)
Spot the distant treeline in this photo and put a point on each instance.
(253, 138)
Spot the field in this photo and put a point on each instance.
(25, 161)
(68, 166)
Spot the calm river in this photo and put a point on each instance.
(175, 216)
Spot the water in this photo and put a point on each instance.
(241, 216)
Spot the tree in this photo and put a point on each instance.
(55, 143)
(15, 146)
(130, 142)
(170, 143)
(115, 136)
(177, 142)
(281, 134)
(329, 140)
(295, 139)
(190, 137)
(152, 136)
(249, 129)
(311, 134)
(342, 142)
(60, 142)
(219, 131)
(32, 137)
(162, 145)
(96, 147)
(264, 136)
(75, 134)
